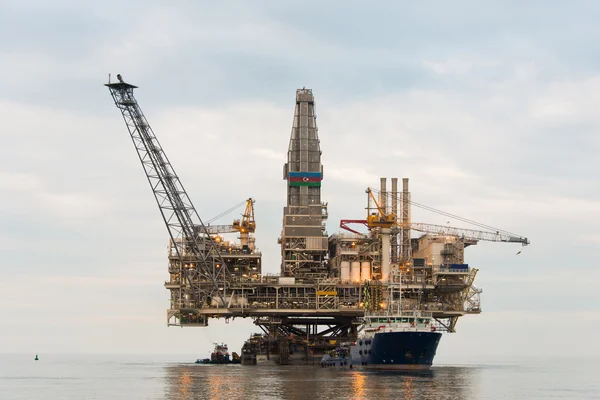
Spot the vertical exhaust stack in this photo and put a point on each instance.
(394, 237)
(385, 234)
(405, 247)
(383, 195)
(385, 254)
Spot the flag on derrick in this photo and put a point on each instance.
(305, 179)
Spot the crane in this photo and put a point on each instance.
(386, 224)
(382, 219)
(463, 233)
(202, 271)
(469, 234)
(245, 226)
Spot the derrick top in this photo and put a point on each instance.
(304, 95)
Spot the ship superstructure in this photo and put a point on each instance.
(220, 355)
(318, 300)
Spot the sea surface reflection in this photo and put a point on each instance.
(135, 377)
(303, 382)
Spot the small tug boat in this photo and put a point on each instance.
(340, 357)
(220, 355)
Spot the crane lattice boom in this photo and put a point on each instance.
(384, 219)
(468, 234)
(471, 234)
(216, 229)
(205, 273)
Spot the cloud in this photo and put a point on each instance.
(18, 182)
(90, 281)
(457, 66)
(269, 153)
(567, 102)
(516, 337)
(32, 195)
(592, 238)
(553, 278)
(356, 176)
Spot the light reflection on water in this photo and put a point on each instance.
(358, 384)
(185, 382)
(302, 382)
(408, 389)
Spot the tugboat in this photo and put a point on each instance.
(220, 355)
(340, 357)
(390, 340)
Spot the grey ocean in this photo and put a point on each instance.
(147, 377)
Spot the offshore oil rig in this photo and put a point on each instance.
(325, 282)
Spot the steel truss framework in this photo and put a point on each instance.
(313, 335)
(204, 276)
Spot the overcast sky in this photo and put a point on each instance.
(490, 110)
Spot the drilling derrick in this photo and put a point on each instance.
(198, 274)
(303, 238)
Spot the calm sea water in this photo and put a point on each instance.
(134, 377)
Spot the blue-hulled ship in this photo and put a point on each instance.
(406, 341)
(390, 339)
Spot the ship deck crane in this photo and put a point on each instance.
(203, 272)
